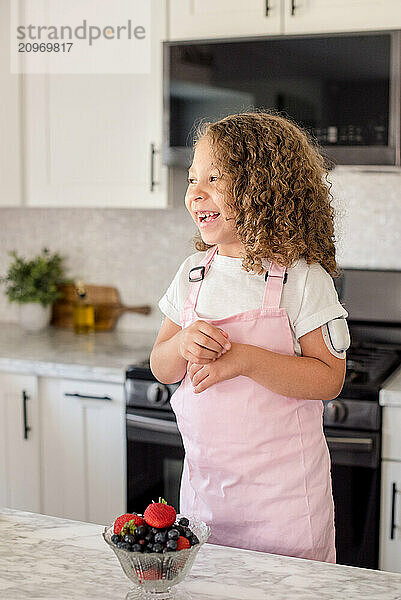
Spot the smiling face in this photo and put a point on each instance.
(204, 200)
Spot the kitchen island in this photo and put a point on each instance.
(44, 557)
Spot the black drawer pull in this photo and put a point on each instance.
(85, 396)
(393, 525)
(293, 7)
(153, 183)
(25, 397)
(267, 8)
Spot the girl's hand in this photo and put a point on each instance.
(201, 342)
(229, 365)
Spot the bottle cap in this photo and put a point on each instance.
(80, 288)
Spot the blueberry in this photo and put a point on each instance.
(136, 548)
(119, 544)
(149, 537)
(158, 547)
(115, 538)
(187, 532)
(154, 529)
(180, 529)
(172, 544)
(125, 546)
(129, 538)
(147, 550)
(141, 531)
(184, 522)
(173, 534)
(160, 537)
(149, 546)
(193, 540)
(167, 549)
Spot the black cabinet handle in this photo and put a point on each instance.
(393, 524)
(25, 397)
(153, 151)
(293, 7)
(267, 8)
(85, 396)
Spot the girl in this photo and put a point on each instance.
(246, 330)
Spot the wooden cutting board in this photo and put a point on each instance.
(106, 301)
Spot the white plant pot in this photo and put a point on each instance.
(33, 316)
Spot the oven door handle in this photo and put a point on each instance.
(361, 444)
(152, 424)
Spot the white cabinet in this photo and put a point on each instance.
(19, 442)
(10, 119)
(390, 518)
(203, 19)
(83, 449)
(324, 16)
(95, 139)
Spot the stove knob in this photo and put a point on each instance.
(336, 411)
(157, 393)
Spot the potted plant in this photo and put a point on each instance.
(33, 284)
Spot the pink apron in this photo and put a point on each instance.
(257, 466)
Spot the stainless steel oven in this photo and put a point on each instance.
(155, 451)
(352, 430)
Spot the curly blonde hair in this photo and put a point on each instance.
(273, 174)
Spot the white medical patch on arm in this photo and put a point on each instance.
(336, 336)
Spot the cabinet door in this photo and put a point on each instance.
(84, 449)
(315, 16)
(391, 427)
(19, 442)
(390, 518)
(209, 19)
(95, 139)
(10, 123)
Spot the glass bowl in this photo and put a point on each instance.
(154, 574)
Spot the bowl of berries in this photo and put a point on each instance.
(156, 550)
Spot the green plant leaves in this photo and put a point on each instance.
(35, 280)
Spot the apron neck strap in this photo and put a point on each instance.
(275, 278)
(197, 275)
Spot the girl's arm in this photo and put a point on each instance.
(174, 347)
(316, 375)
(166, 363)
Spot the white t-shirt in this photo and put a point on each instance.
(309, 295)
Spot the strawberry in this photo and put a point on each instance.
(150, 574)
(123, 519)
(160, 514)
(183, 543)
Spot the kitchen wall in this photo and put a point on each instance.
(139, 251)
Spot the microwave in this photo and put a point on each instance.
(344, 89)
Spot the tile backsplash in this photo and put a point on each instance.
(139, 251)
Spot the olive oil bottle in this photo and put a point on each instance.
(83, 312)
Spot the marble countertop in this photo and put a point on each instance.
(51, 558)
(56, 352)
(390, 394)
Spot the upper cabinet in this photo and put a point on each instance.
(325, 16)
(203, 19)
(95, 139)
(10, 119)
(208, 19)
